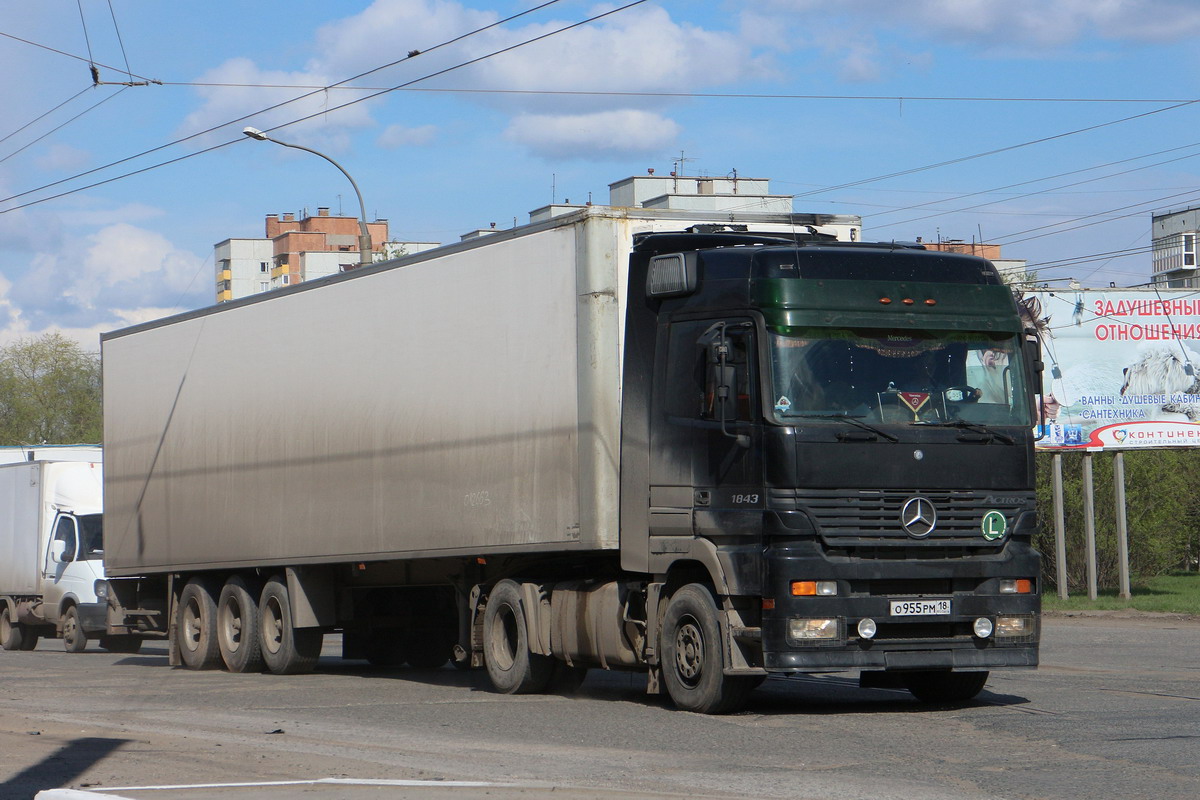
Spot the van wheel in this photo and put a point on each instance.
(945, 687)
(237, 627)
(196, 626)
(10, 632)
(74, 639)
(693, 656)
(285, 650)
(510, 666)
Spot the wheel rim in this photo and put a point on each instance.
(70, 629)
(689, 651)
(504, 638)
(272, 626)
(191, 625)
(230, 627)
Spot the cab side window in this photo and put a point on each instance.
(65, 532)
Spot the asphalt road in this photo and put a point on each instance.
(1114, 711)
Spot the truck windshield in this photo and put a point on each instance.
(890, 377)
(91, 538)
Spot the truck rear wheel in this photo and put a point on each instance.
(196, 626)
(693, 659)
(512, 668)
(10, 632)
(285, 650)
(943, 686)
(73, 636)
(237, 626)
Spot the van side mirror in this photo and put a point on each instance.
(59, 554)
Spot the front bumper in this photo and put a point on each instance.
(866, 587)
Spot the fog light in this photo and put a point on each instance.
(1013, 626)
(812, 629)
(867, 628)
(1016, 586)
(983, 627)
(814, 588)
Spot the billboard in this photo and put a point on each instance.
(1122, 367)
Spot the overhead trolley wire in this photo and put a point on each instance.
(238, 119)
(64, 124)
(323, 112)
(46, 114)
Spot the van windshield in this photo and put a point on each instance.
(897, 377)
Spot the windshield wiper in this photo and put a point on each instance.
(852, 420)
(962, 424)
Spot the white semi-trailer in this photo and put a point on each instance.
(51, 549)
(577, 444)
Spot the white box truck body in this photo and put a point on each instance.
(51, 549)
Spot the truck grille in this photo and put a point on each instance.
(871, 518)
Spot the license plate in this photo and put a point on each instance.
(920, 608)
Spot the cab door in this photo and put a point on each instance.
(59, 576)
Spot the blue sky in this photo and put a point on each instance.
(804, 93)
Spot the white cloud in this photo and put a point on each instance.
(397, 136)
(603, 135)
(1016, 22)
(643, 49)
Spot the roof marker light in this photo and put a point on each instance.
(885, 300)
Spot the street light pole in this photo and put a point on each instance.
(364, 237)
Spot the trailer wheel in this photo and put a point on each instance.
(196, 626)
(237, 627)
(510, 666)
(427, 649)
(285, 650)
(121, 644)
(944, 687)
(693, 656)
(73, 636)
(10, 632)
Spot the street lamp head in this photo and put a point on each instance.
(254, 133)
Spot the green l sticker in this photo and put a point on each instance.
(994, 525)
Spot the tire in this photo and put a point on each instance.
(384, 649)
(121, 644)
(238, 626)
(945, 687)
(426, 649)
(196, 626)
(511, 668)
(566, 678)
(693, 656)
(285, 650)
(11, 633)
(29, 636)
(73, 636)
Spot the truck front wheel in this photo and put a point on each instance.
(196, 627)
(692, 655)
(285, 650)
(74, 639)
(512, 668)
(945, 687)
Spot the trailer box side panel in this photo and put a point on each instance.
(423, 410)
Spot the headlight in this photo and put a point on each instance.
(808, 630)
(101, 589)
(1012, 627)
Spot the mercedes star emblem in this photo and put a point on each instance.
(918, 517)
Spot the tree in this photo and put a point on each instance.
(49, 392)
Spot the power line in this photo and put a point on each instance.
(77, 58)
(119, 40)
(63, 125)
(310, 116)
(48, 113)
(245, 117)
(996, 151)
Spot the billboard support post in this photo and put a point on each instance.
(1060, 529)
(1089, 524)
(1122, 523)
